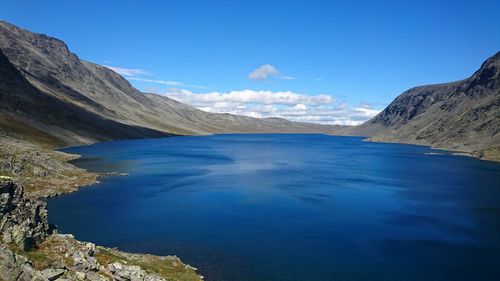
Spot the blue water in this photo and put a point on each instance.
(292, 207)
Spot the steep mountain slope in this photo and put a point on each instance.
(462, 116)
(73, 101)
(28, 113)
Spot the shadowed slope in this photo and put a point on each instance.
(462, 115)
(29, 113)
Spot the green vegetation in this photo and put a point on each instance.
(41, 171)
(56, 249)
(170, 268)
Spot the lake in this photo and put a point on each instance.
(290, 207)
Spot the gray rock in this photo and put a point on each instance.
(84, 260)
(126, 272)
(80, 275)
(53, 273)
(92, 276)
(14, 267)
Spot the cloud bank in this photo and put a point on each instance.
(292, 106)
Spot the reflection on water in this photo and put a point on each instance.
(292, 207)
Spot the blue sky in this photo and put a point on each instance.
(362, 54)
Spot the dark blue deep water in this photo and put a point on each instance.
(292, 207)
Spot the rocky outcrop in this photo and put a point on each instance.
(42, 172)
(78, 263)
(61, 257)
(31, 251)
(15, 266)
(129, 272)
(23, 225)
(23, 221)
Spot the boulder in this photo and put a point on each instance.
(53, 273)
(123, 272)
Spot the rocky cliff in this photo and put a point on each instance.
(30, 250)
(461, 116)
(23, 221)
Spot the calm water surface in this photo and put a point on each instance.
(292, 207)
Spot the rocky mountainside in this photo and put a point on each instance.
(28, 113)
(66, 100)
(30, 249)
(461, 116)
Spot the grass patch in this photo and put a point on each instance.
(169, 268)
(40, 259)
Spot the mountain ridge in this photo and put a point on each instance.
(50, 85)
(461, 116)
(88, 89)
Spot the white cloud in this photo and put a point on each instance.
(292, 106)
(166, 82)
(300, 106)
(132, 73)
(286, 77)
(265, 71)
(250, 96)
(128, 71)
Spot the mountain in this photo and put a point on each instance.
(27, 112)
(49, 95)
(460, 116)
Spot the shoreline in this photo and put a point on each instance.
(447, 150)
(39, 173)
(99, 175)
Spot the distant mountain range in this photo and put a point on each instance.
(462, 116)
(50, 96)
